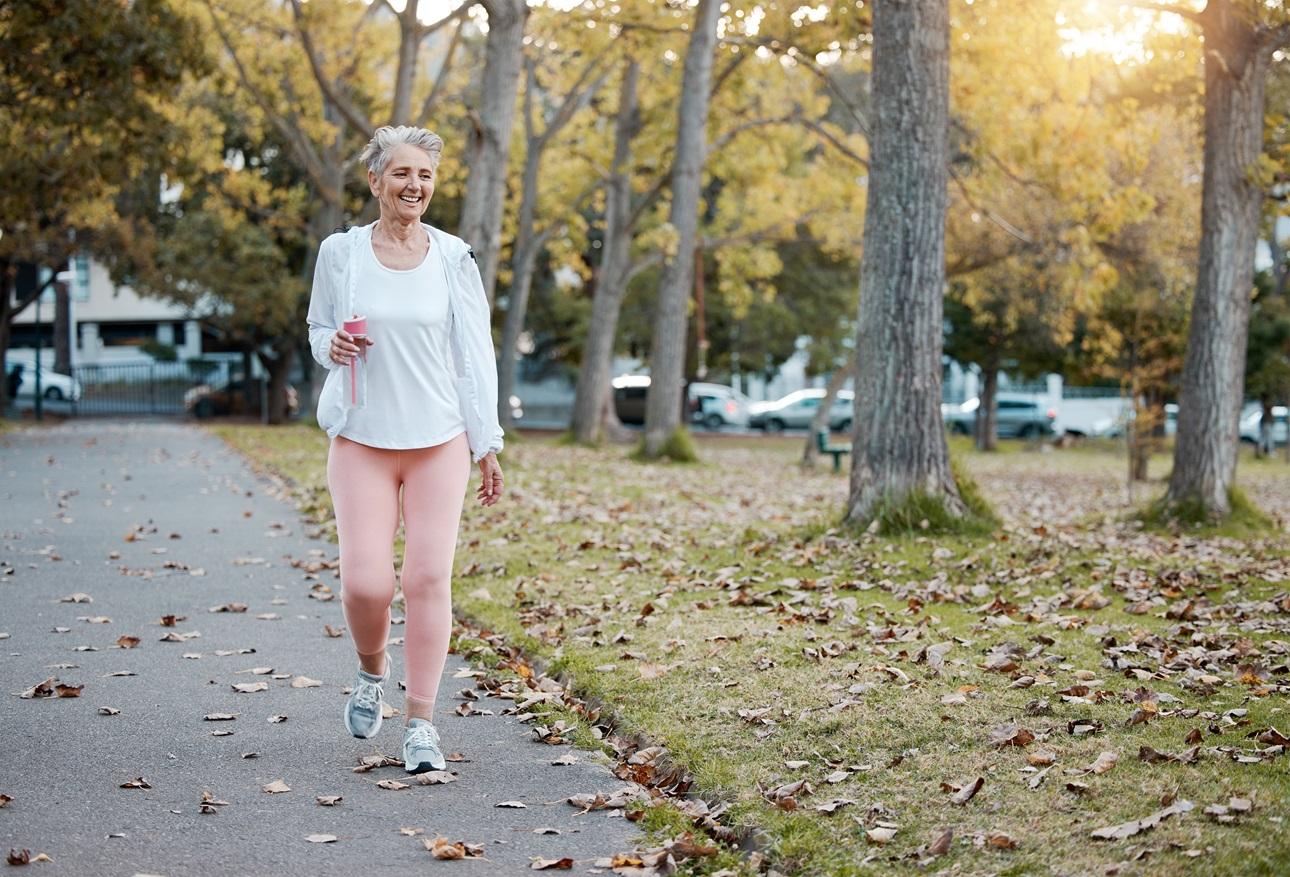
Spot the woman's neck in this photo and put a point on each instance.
(396, 232)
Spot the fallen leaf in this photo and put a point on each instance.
(321, 838)
(219, 717)
(137, 783)
(443, 849)
(941, 845)
(880, 835)
(540, 864)
(305, 682)
(1000, 841)
(328, 800)
(435, 778)
(1104, 762)
(1129, 829)
(250, 687)
(127, 641)
(517, 805)
(275, 787)
(965, 793)
(393, 785)
(1011, 735)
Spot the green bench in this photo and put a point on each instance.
(823, 446)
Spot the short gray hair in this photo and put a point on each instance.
(376, 155)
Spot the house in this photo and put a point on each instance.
(111, 323)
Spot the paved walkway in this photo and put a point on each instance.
(156, 519)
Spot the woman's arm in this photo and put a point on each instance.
(481, 355)
(322, 305)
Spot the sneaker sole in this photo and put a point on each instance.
(423, 767)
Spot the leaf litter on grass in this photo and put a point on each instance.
(903, 654)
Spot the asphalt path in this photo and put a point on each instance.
(150, 519)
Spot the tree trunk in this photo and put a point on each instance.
(593, 408)
(489, 149)
(525, 251)
(986, 426)
(7, 273)
(62, 328)
(278, 367)
(900, 448)
(1266, 446)
(667, 348)
(1142, 437)
(1236, 64)
(821, 418)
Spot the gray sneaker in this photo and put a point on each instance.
(421, 747)
(363, 710)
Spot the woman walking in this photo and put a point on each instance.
(410, 400)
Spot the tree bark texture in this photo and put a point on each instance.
(62, 328)
(1236, 66)
(900, 448)
(489, 149)
(667, 348)
(987, 412)
(593, 408)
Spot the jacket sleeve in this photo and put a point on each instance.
(322, 305)
(481, 356)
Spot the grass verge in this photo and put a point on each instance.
(836, 692)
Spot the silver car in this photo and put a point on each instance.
(797, 409)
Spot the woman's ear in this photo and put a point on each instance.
(371, 183)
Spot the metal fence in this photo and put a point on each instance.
(143, 388)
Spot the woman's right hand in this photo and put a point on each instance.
(344, 347)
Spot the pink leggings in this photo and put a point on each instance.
(364, 484)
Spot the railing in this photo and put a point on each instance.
(142, 388)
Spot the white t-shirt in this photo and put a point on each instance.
(411, 395)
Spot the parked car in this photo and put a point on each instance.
(797, 409)
(54, 386)
(1252, 420)
(716, 405)
(229, 397)
(712, 405)
(1017, 416)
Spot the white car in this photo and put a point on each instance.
(797, 409)
(54, 387)
(1252, 420)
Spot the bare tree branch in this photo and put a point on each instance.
(837, 144)
(299, 144)
(1189, 14)
(356, 118)
(442, 78)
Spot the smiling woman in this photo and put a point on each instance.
(401, 447)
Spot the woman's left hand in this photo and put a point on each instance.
(490, 484)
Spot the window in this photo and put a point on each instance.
(127, 334)
(81, 287)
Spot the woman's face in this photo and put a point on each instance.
(405, 188)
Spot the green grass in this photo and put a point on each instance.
(679, 448)
(1244, 519)
(678, 596)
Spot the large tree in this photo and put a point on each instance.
(900, 453)
(1240, 37)
(667, 353)
(86, 115)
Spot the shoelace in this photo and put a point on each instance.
(423, 737)
(368, 695)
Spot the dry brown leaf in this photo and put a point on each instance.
(276, 787)
(393, 785)
(540, 864)
(250, 687)
(965, 792)
(435, 778)
(305, 682)
(136, 783)
(941, 845)
(1129, 829)
(1011, 735)
(442, 848)
(109, 711)
(219, 717)
(321, 838)
(515, 805)
(1104, 762)
(328, 800)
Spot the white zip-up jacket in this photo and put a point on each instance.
(335, 297)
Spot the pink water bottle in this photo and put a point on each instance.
(356, 397)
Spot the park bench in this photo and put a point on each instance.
(823, 446)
